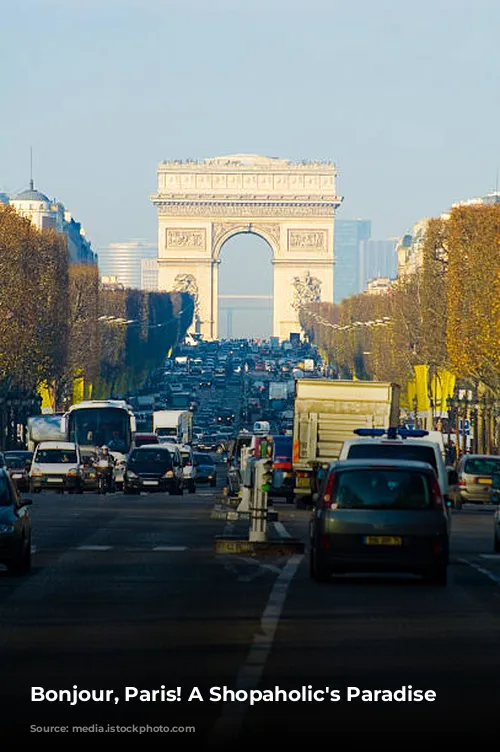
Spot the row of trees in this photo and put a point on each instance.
(58, 327)
(445, 315)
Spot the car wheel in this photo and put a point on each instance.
(496, 545)
(213, 483)
(437, 575)
(192, 487)
(458, 504)
(317, 568)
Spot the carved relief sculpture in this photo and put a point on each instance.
(185, 239)
(306, 290)
(187, 283)
(300, 239)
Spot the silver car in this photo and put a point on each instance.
(475, 472)
(380, 516)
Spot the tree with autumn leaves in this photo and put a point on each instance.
(445, 315)
(57, 325)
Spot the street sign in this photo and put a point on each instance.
(464, 426)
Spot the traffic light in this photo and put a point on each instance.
(266, 477)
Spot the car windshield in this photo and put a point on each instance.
(397, 451)
(482, 466)
(383, 488)
(57, 456)
(150, 457)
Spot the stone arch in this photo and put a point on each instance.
(201, 205)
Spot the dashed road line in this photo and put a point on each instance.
(170, 548)
(94, 548)
(249, 676)
(281, 530)
(493, 577)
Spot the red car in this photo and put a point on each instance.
(16, 467)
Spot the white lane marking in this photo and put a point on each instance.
(170, 548)
(490, 556)
(495, 578)
(249, 676)
(94, 548)
(281, 530)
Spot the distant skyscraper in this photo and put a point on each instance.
(351, 236)
(381, 259)
(149, 274)
(123, 261)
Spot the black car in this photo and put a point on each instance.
(16, 467)
(15, 527)
(150, 468)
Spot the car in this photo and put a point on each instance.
(146, 438)
(189, 470)
(56, 465)
(205, 469)
(380, 516)
(24, 453)
(151, 468)
(475, 474)
(15, 527)
(395, 445)
(16, 467)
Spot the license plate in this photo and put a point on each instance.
(149, 482)
(484, 481)
(17, 475)
(383, 540)
(54, 480)
(303, 482)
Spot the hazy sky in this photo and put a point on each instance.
(403, 96)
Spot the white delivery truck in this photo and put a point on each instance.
(44, 428)
(176, 425)
(325, 414)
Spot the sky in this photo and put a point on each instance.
(403, 96)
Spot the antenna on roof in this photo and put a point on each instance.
(31, 168)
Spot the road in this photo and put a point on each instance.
(127, 592)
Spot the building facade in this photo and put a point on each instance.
(47, 214)
(123, 261)
(149, 274)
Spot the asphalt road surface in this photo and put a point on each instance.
(126, 591)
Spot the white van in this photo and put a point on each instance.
(396, 447)
(261, 428)
(57, 465)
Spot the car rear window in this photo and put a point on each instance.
(204, 459)
(400, 451)
(151, 457)
(482, 466)
(56, 456)
(383, 488)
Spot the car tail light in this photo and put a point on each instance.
(437, 546)
(437, 498)
(326, 501)
(462, 482)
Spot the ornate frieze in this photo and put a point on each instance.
(186, 239)
(222, 209)
(304, 240)
(306, 289)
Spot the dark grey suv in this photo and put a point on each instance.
(380, 516)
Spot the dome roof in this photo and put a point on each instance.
(31, 194)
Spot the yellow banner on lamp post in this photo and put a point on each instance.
(422, 387)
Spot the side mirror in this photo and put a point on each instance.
(452, 478)
(315, 498)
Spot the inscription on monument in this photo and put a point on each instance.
(185, 239)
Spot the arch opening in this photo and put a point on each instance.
(245, 289)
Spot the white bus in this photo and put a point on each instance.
(96, 423)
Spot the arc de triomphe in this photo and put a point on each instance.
(291, 205)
